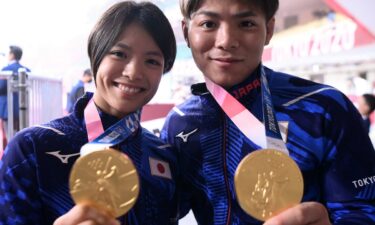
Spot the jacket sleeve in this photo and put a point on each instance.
(3, 84)
(184, 195)
(3, 87)
(349, 171)
(19, 199)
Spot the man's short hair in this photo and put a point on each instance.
(370, 101)
(16, 51)
(268, 7)
(87, 72)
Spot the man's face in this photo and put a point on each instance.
(87, 78)
(226, 39)
(11, 56)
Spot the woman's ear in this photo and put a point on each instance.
(185, 29)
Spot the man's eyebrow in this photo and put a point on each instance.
(245, 14)
(217, 15)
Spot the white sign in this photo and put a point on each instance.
(331, 38)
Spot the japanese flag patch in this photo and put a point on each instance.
(160, 168)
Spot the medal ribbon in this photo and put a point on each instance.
(242, 117)
(117, 133)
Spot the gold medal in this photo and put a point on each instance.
(267, 182)
(106, 179)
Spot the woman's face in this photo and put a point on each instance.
(129, 74)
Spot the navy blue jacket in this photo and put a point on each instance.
(34, 172)
(323, 133)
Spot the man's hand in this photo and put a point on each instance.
(85, 214)
(306, 213)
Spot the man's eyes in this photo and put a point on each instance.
(247, 24)
(212, 25)
(208, 24)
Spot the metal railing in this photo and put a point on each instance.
(39, 99)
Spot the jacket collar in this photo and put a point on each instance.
(249, 87)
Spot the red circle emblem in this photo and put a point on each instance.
(161, 168)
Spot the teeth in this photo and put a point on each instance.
(130, 90)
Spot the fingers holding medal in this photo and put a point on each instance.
(106, 179)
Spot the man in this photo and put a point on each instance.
(14, 57)
(239, 111)
(78, 90)
(366, 105)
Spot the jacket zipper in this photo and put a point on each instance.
(225, 171)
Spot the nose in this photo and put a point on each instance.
(133, 70)
(226, 38)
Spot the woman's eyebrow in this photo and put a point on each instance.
(149, 53)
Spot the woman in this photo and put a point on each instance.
(238, 112)
(130, 47)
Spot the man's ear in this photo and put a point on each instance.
(185, 29)
(270, 26)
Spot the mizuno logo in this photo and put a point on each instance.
(185, 137)
(63, 158)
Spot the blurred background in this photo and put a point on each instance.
(329, 41)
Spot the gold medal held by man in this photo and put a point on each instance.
(106, 179)
(267, 182)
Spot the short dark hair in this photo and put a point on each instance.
(16, 51)
(87, 72)
(113, 22)
(268, 7)
(370, 101)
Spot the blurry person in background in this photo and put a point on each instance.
(14, 57)
(131, 46)
(78, 90)
(366, 105)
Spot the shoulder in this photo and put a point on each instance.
(156, 146)
(35, 140)
(189, 112)
(198, 105)
(187, 120)
(45, 145)
(8, 68)
(14, 67)
(293, 90)
(152, 142)
(47, 132)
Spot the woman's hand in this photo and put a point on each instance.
(85, 215)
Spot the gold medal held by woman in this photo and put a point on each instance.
(106, 179)
(267, 182)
